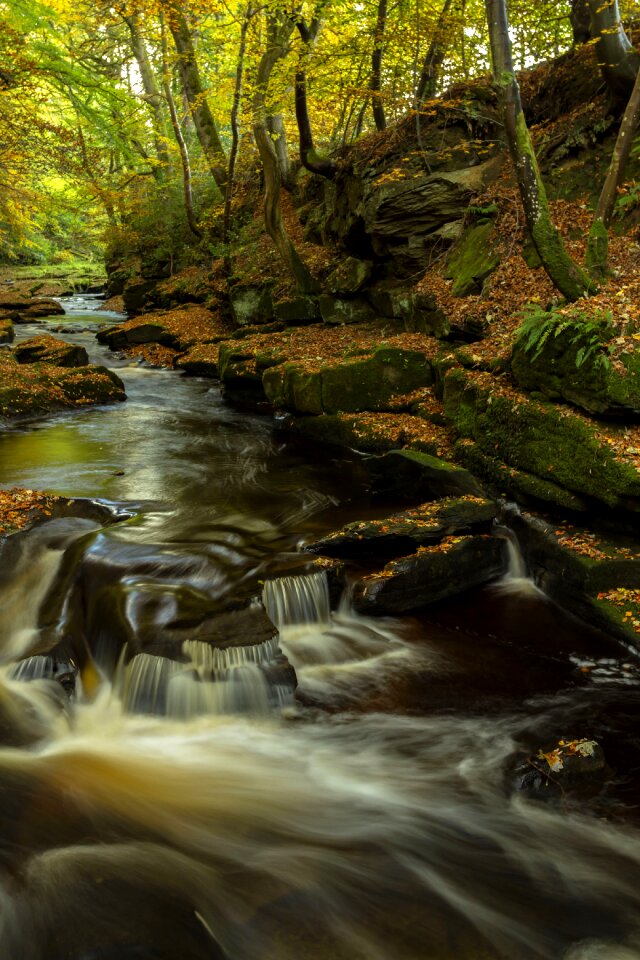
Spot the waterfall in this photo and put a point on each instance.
(516, 579)
(31, 576)
(298, 599)
(215, 662)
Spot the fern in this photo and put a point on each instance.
(586, 333)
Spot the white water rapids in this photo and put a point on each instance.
(283, 837)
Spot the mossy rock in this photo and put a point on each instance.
(297, 310)
(199, 361)
(30, 389)
(569, 360)
(415, 475)
(251, 305)
(521, 486)
(134, 333)
(359, 384)
(7, 333)
(472, 260)
(46, 349)
(404, 531)
(540, 439)
(349, 276)
(430, 574)
(340, 310)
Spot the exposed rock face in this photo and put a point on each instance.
(570, 360)
(297, 310)
(431, 573)
(250, 305)
(46, 349)
(27, 310)
(472, 260)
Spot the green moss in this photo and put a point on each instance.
(472, 260)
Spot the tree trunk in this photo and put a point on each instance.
(434, 59)
(275, 125)
(150, 87)
(308, 155)
(376, 67)
(567, 276)
(580, 19)
(182, 146)
(198, 104)
(617, 58)
(279, 30)
(235, 137)
(598, 246)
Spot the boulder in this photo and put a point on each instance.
(360, 383)
(404, 531)
(251, 305)
(200, 361)
(46, 349)
(137, 294)
(382, 432)
(414, 475)
(340, 310)
(431, 573)
(472, 260)
(27, 310)
(130, 334)
(28, 390)
(297, 310)
(570, 359)
(7, 333)
(349, 277)
(567, 765)
(551, 443)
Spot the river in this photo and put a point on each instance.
(184, 803)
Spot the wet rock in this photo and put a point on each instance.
(27, 310)
(239, 373)
(46, 349)
(431, 573)
(404, 531)
(7, 333)
(413, 475)
(566, 766)
(199, 361)
(120, 336)
(50, 387)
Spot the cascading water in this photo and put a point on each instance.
(178, 812)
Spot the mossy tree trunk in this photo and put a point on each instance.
(279, 30)
(570, 279)
(598, 246)
(617, 58)
(196, 95)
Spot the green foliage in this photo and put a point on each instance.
(586, 333)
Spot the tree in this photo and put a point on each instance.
(618, 60)
(376, 67)
(570, 279)
(279, 28)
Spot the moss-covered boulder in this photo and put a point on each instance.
(404, 531)
(418, 310)
(349, 276)
(412, 475)
(431, 573)
(546, 441)
(472, 259)
(357, 384)
(134, 333)
(341, 310)
(25, 309)
(579, 359)
(199, 361)
(7, 333)
(46, 349)
(297, 310)
(35, 388)
(251, 305)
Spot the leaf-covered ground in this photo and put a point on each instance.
(19, 508)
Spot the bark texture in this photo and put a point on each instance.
(235, 134)
(434, 58)
(309, 157)
(617, 58)
(598, 246)
(376, 67)
(196, 94)
(570, 279)
(152, 93)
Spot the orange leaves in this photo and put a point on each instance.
(19, 507)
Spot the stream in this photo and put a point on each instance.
(162, 799)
